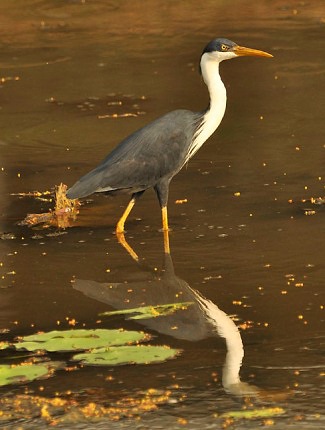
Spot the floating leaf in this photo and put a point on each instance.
(133, 354)
(150, 311)
(4, 345)
(26, 372)
(78, 340)
(254, 413)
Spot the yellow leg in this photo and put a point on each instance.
(123, 242)
(165, 229)
(120, 224)
(164, 218)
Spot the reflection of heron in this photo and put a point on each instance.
(198, 321)
(150, 157)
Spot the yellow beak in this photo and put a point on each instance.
(241, 51)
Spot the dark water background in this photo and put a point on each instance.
(255, 255)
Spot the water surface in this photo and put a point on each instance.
(237, 244)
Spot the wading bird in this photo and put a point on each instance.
(151, 156)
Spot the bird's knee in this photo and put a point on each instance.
(119, 228)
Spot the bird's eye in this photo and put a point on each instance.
(224, 47)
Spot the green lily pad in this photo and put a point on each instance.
(133, 354)
(26, 372)
(254, 413)
(144, 312)
(79, 340)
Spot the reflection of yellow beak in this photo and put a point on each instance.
(241, 51)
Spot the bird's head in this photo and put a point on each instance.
(224, 49)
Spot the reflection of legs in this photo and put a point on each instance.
(120, 226)
(166, 242)
(126, 246)
(165, 229)
(121, 222)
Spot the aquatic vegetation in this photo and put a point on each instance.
(26, 372)
(68, 411)
(131, 354)
(79, 340)
(64, 213)
(103, 347)
(144, 312)
(254, 413)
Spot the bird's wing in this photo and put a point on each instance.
(139, 161)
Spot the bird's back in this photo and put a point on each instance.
(153, 152)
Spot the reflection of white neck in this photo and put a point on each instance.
(218, 98)
(227, 329)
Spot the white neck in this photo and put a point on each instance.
(218, 100)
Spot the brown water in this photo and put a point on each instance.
(69, 65)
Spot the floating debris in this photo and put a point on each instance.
(37, 237)
(120, 115)
(33, 194)
(69, 411)
(254, 413)
(4, 79)
(317, 200)
(65, 211)
(56, 233)
(316, 204)
(109, 106)
(7, 236)
(309, 212)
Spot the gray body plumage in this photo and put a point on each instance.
(151, 156)
(147, 158)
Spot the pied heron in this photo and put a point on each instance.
(152, 155)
